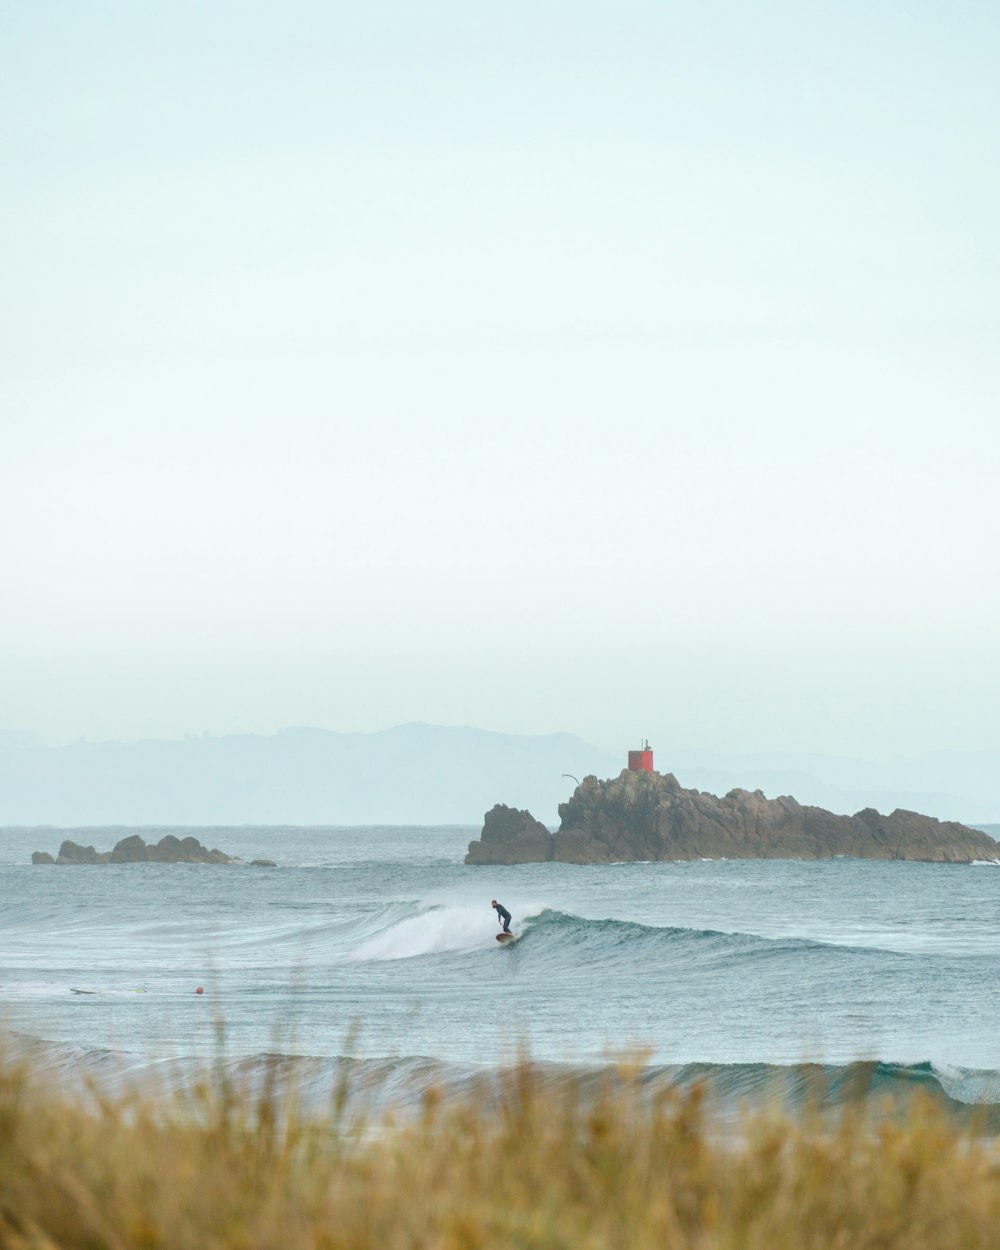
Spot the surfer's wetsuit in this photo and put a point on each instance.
(504, 915)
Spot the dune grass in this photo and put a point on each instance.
(534, 1168)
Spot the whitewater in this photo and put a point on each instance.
(374, 948)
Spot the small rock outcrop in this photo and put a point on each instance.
(134, 850)
(511, 836)
(650, 816)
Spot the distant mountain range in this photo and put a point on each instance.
(413, 774)
(429, 774)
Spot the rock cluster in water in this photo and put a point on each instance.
(134, 850)
(650, 816)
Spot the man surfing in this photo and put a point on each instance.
(503, 915)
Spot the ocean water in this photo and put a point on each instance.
(375, 948)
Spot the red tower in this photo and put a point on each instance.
(641, 761)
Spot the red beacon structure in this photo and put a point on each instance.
(641, 761)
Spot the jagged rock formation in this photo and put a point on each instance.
(133, 850)
(650, 816)
(511, 836)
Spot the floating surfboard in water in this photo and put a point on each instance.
(137, 990)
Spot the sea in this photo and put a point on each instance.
(370, 953)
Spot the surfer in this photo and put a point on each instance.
(503, 915)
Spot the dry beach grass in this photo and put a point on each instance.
(538, 1168)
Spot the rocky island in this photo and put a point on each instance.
(134, 850)
(645, 815)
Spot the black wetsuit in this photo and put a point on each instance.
(504, 915)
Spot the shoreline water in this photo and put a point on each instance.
(754, 977)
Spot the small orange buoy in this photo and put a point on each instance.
(200, 989)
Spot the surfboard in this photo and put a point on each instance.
(137, 990)
(503, 938)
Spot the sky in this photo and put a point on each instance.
(622, 369)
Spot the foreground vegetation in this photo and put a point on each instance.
(531, 1167)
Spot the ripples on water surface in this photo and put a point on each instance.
(381, 941)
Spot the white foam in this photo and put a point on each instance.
(435, 930)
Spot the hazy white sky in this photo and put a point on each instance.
(628, 369)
